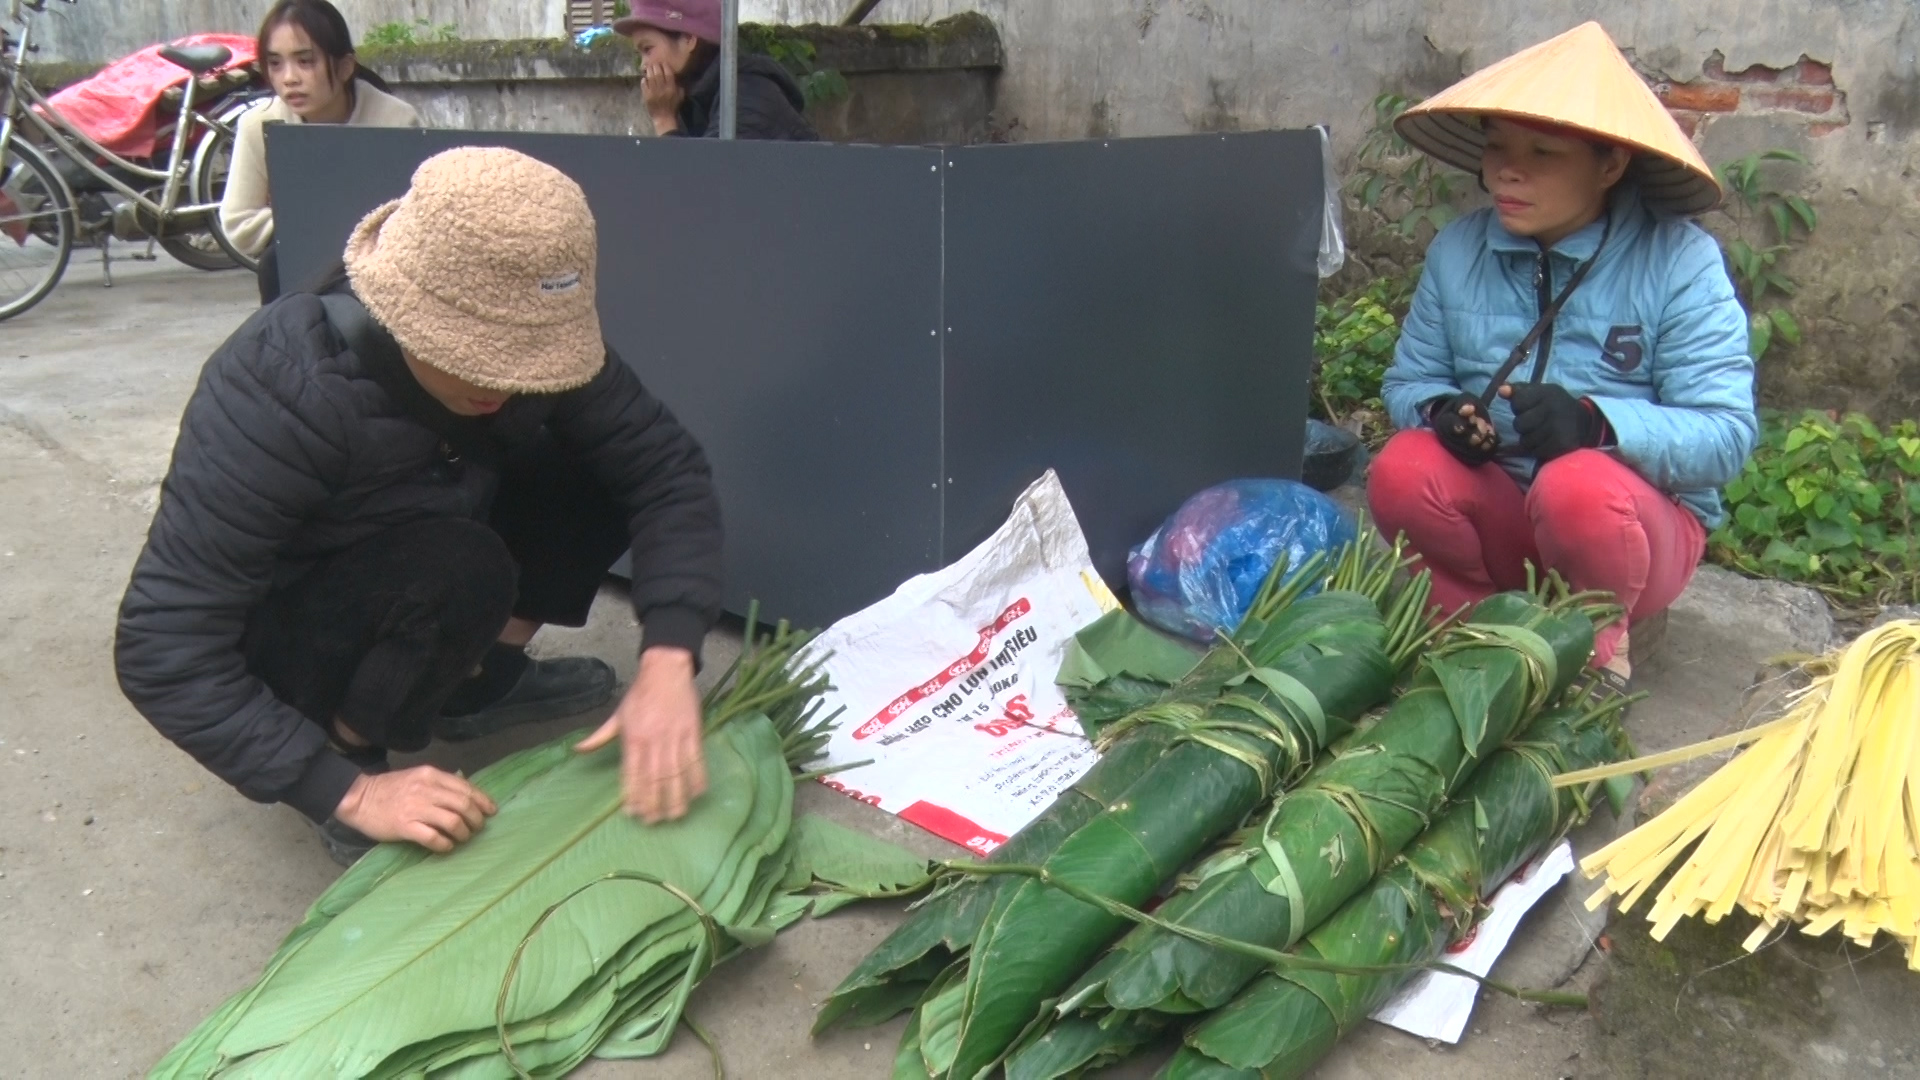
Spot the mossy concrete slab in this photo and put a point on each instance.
(1698, 1004)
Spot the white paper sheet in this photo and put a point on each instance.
(948, 683)
(1436, 1005)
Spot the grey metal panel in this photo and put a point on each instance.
(1137, 314)
(781, 298)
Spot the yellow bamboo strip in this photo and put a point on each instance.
(1677, 756)
(1815, 823)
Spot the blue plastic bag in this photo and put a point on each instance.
(1199, 571)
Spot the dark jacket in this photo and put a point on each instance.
(771, 103)
(294, 448)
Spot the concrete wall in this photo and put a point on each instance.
(911, 108)
(95, 31)
(905, 85)
(1093, 68)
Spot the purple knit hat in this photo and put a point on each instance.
(701, 18)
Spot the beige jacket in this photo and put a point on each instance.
(246, 210)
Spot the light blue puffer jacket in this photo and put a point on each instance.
(1655, 336)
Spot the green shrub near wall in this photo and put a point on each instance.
(1830, 502)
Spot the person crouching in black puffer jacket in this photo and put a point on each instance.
(381, 491)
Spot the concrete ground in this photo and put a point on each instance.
(136, 892)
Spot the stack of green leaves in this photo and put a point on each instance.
(1324, 840)
(565, 928)
(1288, 1019)
(1293, 679)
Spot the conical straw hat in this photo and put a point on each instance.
(1578, 80)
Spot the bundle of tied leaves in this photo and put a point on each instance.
(1817, 823)
(1291, 680)
(1290, 1017)
(565, 928)
(1144, 668)
(1324, 840)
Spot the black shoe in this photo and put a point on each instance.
(368, 759)
(1609, 684)
(546, 690)
(345, 844)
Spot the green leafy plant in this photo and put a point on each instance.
(1786, 220)
(621, 9)
(1828, 501)
(1403, 187)
(818, 85)
(417, 32)
(1353, 342)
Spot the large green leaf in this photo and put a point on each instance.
(1119, 644)
(1075, 1046)
(424, 953)
(851, 865)
(565, 929)
(198, 1053)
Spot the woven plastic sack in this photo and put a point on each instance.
(1199, 571)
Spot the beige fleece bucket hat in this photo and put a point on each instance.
(1577, 80)
(485, 270)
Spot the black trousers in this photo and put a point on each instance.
(269, 273)
(380, 634)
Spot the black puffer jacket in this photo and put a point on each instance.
(771, 103)
(293, 448)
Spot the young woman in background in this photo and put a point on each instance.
(306, 51)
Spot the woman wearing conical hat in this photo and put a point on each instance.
(1572, 386)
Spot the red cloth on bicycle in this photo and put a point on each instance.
(1586, 515)
(120, 107)
(13, 224)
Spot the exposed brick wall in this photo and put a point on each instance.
(1804, 90)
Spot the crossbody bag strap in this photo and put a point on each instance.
(1541, 326)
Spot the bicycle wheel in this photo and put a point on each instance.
(36, 227)
(200, 248)
(211, 161)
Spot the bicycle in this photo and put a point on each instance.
(58, 187)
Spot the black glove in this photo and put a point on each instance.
(1552, 422)
(1469, 436)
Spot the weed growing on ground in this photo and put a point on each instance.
(1828, 501)
(1756, 271)
(1353, 342)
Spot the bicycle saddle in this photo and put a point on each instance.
(198, 59)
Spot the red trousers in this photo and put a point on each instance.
(1596, 521)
